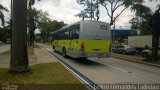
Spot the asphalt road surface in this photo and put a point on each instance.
(115, 71)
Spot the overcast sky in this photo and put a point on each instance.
(65, 10)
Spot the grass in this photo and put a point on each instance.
(47, 76)
(30, 51)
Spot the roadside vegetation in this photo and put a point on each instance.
(50, 76)
(47, 76)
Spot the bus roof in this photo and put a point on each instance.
(66, 26)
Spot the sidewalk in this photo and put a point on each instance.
(136, 59)
(40, 56)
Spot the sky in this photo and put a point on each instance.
(65, 10)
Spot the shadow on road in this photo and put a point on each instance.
(84, 62)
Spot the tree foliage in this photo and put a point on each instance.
(5, 33)
(91, 10)
(45, 25)
(46, 28)
(31, 21)
(141, 20)
(31, 3)
(2, 8)
(114, 8)
(2, 33)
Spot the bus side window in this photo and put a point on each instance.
(66, 34)
(60, 35)
(71, 33)
(57, 36)
(76, 31)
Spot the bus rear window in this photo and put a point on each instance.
(103, 27)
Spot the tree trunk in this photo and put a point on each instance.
(19, 56)
(155, 39)
(31, 27)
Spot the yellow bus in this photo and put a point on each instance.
(83, 39)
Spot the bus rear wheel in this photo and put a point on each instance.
(83, 58)
(64, 53)
(54, 48)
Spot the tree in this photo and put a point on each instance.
(31, 22)
(91, 10)
(48, 27)
(1, 14)
(141, 19)
(19, 56)
(118, 5)
(2, 34)
(115, 6)
(32, 15)
(155, 23)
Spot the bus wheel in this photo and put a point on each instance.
(64, 53)
(124, 52)
(145, 55)
(53, 48)
(83, 58)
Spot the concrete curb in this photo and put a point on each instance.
(136, 60)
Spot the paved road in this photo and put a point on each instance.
(4, 48)
(115, 71)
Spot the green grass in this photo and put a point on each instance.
(50, 76)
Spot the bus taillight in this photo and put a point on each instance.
(82, 46)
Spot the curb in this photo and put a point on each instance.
(136, 61)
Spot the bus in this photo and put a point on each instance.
(83, 39)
